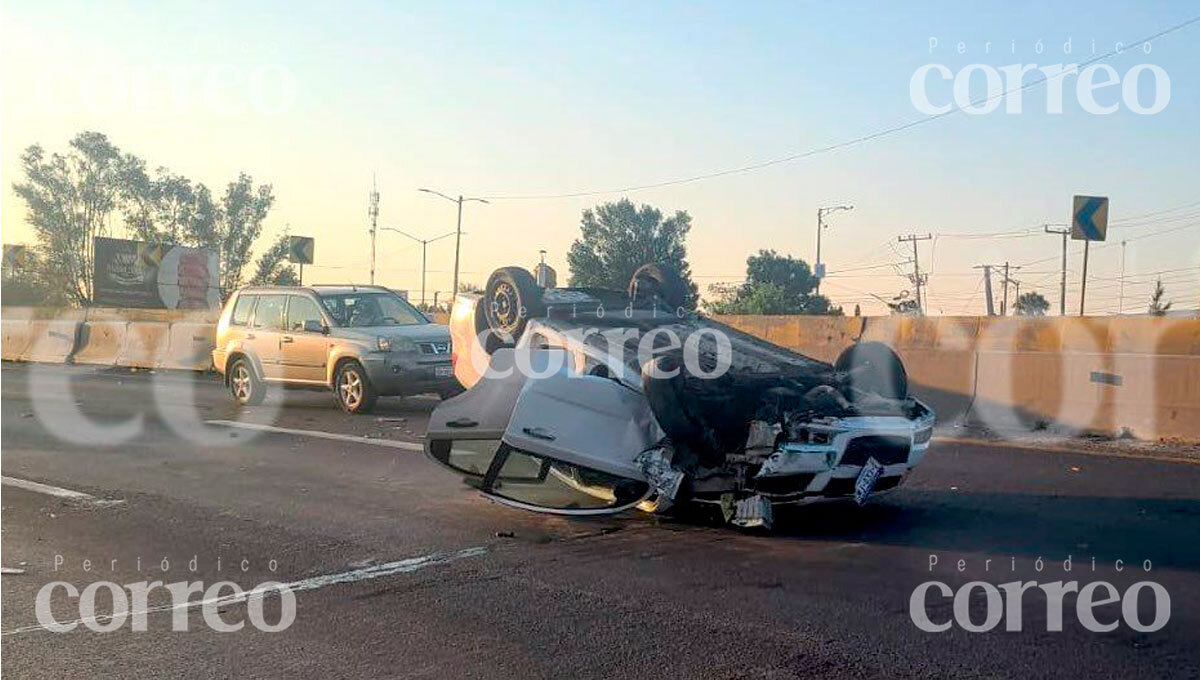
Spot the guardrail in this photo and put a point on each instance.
(1092, 374)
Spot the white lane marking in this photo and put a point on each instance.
(393, 443)
(38, 487)
(365, 574)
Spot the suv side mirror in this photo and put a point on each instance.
(315, 326)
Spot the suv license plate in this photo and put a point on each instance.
(443, 371)
(867, 480)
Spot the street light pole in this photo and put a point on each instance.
(821, 212)
(424, 243)
(458, 233)
(1062, 286)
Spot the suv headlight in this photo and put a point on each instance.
(386, 344)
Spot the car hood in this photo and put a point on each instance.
(426, 332)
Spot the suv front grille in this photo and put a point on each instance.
(888, 450)
(437, 348)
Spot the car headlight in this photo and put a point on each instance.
(386, 344)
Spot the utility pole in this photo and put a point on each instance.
(1062, 286)
(917, 279)
(1121, 304)
(987, 287)
(458, 234)
(1007, 280)
(818, 271)
(424, 243)
(373, 213)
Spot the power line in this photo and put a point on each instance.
(832, 147)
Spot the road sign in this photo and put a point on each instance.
(300, 249)
(820, 272)
(1089, 218)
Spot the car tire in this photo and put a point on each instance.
(353, 389)
(512, 297)
(485, 336)
(873, 367)
(659, 282)
(244, 384)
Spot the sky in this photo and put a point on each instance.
(526, 102)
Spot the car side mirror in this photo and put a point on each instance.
(315, 326)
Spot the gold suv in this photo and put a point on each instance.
(363, 342)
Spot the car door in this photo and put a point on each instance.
(304, 353)
(262, 336)
(589, 431)
(464, 433)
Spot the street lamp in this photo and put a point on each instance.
(458, 233)
(821, 213)
(424, 242)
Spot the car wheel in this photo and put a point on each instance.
(873, 367)
(511, 299)
(244, 385)
(487, 338)
(353, 389)
(659, 282)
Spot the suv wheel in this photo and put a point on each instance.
(245, 386)
(354, 391)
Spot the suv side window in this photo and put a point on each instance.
(242, 309)
(302, 308)
(268, 313)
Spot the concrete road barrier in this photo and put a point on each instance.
(820, 337)
(16, 338)
(101, 342)
(146, 344)
(190, 346)
(51, 341)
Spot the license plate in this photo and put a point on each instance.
(867, 480)
(443, 371)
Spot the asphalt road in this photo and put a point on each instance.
(438, 582)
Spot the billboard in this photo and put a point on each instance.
(156, 276)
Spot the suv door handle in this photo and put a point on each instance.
(286, 338)
(538, 433)
(249, 336)
(461, 422)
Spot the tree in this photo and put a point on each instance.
(239, 222)
(69, 199)
(1032, 304)
(273, 268)
(617, 238)
(775, 284)
(168, 208)
(1157, 306)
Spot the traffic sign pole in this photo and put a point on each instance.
(1083, 283)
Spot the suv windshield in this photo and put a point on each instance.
(371, 308)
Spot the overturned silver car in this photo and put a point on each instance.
(586, 402)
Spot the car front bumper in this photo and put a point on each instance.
(393, 373)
